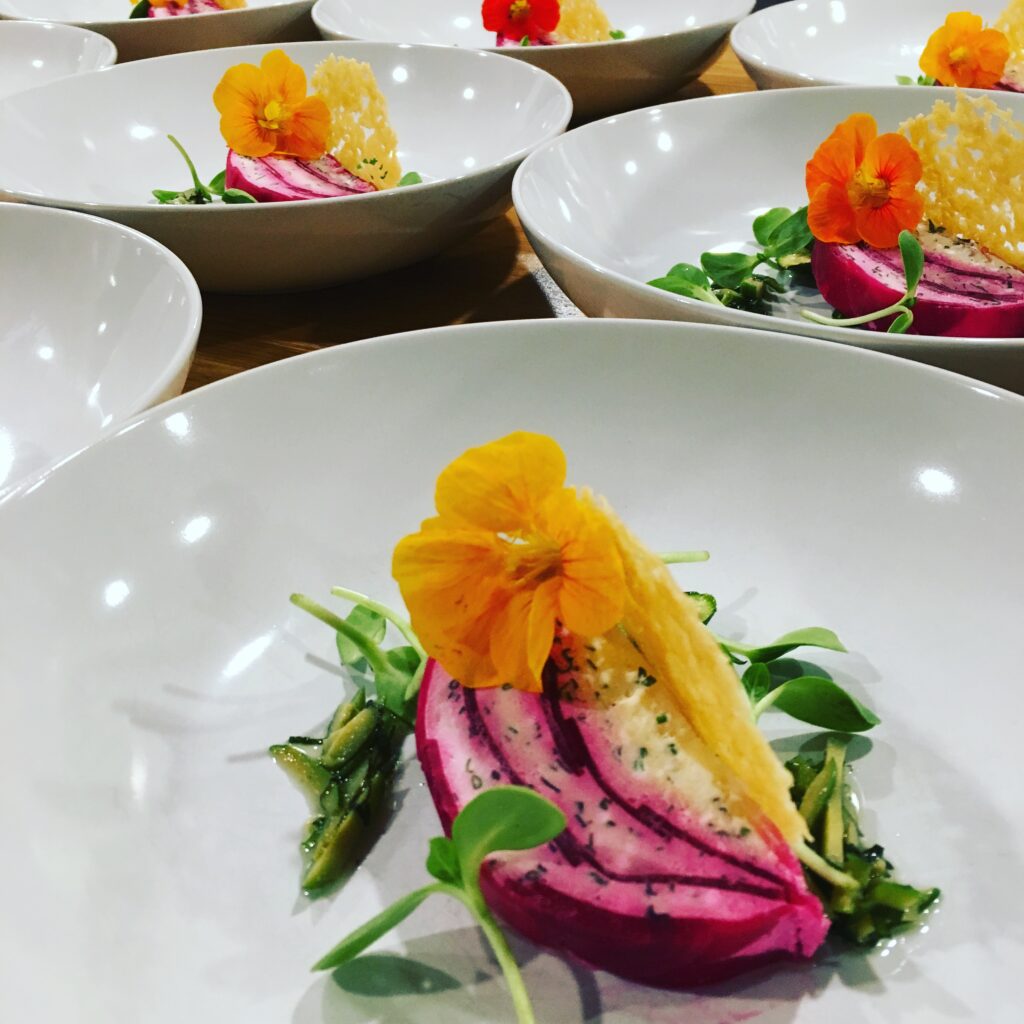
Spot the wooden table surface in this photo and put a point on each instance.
(494, 275)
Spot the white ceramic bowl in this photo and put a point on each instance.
(36, 52)
(97, 323)
(150, 656)
(667, 43)
(843, 42)
(464, 120)
(615, 204)
(261, 21)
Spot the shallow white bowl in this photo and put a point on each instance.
(35, 52)
(615, 204)
(97, 323)
(843, 42)
(464, 120)
(150, 655)
(667, 43)
(262, 21)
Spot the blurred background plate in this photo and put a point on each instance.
(260, 21)
(36, 52)
(464, 120)
(666, 45)
(150, 655)
(843, 42)
(615, 204)
(97, 323)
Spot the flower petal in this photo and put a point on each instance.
(857, 130)
(830, 215)
(498, 486)
(286, 80)
(834, 163)
(245, 136)
(881, 227)
(892, 158)
(241, 87)
(306, 137)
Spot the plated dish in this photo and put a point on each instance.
(616, 55)
(841, 42)
(180, 658)
(137, 35)
(108, 331)
(34, 53)
(113, 151)
(708, 259)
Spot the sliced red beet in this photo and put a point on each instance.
(639, 884)
(192, 7)
(278, 179)
(504, 40)
(963, 292)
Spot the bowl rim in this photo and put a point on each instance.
(40, 28)
(236, 53)
(737, 317)
(182, 353)
(726, 22)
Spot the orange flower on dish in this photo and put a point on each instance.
(265, 110)
(862, 186)
(166, 3)
(965, 53)
(511, 552)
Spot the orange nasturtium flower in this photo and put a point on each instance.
(511, 552)
(265, 110)
(862, 186)
(966, 54)
(164, 3)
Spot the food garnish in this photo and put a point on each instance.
(287, 143)
(914, 231)
(547, 22)
(671, 846)
(176, 8)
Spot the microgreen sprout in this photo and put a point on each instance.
(200, 194)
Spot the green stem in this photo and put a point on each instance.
(369, 650)
(856, 321)
(680, 557)
(821, 867)
(474, 902)
(200, 187)
(766, 702)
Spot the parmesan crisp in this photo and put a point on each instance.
(1011, 24)
(973, 160)
(361, 138)
(583, 21)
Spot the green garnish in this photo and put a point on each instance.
(920, 80)
(140, 10)
(864, 902)
(903, 309)
(729, 278)
(617, 33)
(412, 178)
(199, 194)
(499, 819)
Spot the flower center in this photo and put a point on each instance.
(534, 559)
(959, 54)
(275, 114)
(519, 9)
(866, 190)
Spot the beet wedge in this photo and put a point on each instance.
(964, 292)
(192, 7)
(279, 179)
(660, 877)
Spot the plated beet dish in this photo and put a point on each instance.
(547, 22)
(591, 746)
(287, 143)
(966, 52)
(914, 231)
(179, 8)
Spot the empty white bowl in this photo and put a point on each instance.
(261, 21)
(465, 121)
(615, 204)
(667, 43)
(97, 323)
(36, 52)
(843, 42)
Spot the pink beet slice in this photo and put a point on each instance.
(192, 7)
(504, 40)
(639, 884)
(278, 179)
(963, 292)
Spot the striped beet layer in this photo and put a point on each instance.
(279, 179)
(192, 7)
(656, 885)
(963, 292)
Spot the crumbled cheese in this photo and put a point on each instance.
(583, 21)
(361, 137)
(1011, 24)
(973, 163)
